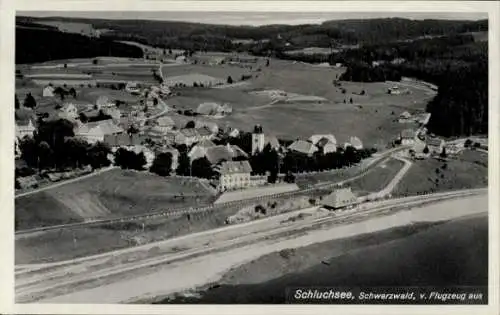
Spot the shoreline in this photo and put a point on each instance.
(257, 274)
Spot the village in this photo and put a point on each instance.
(138, 129)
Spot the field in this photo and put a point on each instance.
(377, 179)
(219, 71)
(468, 170)
(371, 116)
(111, 194)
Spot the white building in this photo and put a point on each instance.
(339, 198)
(326, 145)
(234, 175)
(435, 145)
(304, 147)
(48, 91)
(407, 137)
(314, 139)
(95, 131)
(356, 143)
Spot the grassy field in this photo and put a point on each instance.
(371, 117)
(468, 170)
(377, 179)
(220, 71)
(111, 194)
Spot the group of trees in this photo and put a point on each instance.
(29, 101)
(130, 160)
(39, 44)
(54, 147)
(362, 72)
(296, 162)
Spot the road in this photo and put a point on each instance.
(86, 279)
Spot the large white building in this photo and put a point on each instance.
(96, 131)
(234, 175)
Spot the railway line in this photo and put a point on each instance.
(53, 279)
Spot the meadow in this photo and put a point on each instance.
(114, 193)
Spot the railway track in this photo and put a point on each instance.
(185, 211)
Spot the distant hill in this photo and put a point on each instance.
(186, 35)
(38, 43)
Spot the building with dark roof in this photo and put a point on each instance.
(339, 198)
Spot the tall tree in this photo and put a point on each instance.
(162, 164)
(202, 168)
(184, 166)
(29, 101)
(16, 102)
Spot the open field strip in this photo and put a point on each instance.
(85, 276)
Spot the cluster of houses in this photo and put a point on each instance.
(325, 143)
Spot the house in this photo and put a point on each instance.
(133, 88)
(204, 134)
(165, 123)
(326, 145)
(234, 175)
(181, 59)
(304, 147)
(187, 136)
(339, 198)
(407, 137)
(104, 102)
(48, 91)
(435, 145)
(23, 130)
(233, 132)
(124, 140)
(354, 142)
(404, 117)
(70, 110)
(95, 131)
(207, 124)
(452, 148)
(314, 139)
(113, 112)
(217, 154)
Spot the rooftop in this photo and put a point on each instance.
(235, 167)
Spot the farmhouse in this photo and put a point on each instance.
(303, 147)
(213, 127)
(453, 148)
(407, 137)
(435, 145)
(354, 142)
(217, 154)
(339, 198)
(48, 91)
(234, 175)
(95, 131)
(314, 139)
(326, 145)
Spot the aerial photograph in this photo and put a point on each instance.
(251, 158)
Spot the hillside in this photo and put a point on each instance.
(42, 43)
(185, 35)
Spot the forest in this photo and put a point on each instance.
(44, 44)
